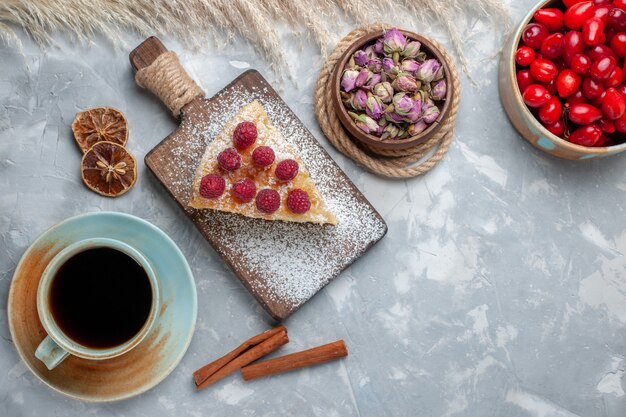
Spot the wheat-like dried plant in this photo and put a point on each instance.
(253, 20)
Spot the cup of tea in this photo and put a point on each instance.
(97, 299)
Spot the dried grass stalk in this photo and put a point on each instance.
(193, 20)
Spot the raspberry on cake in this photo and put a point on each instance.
(245, 135)
(287, 170)
(270, 173)
(244, 190)
(212, 186)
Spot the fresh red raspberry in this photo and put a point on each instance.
(263, 156)
(244, 190)
(287, 170)
(244, 135)
(229, 159)
(212, 186)
(268, 200)
(298, 201)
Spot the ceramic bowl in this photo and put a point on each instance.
(357, 134)
(521, 117)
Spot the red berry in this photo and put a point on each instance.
(618, 44)
(570, 3)
(602, 68)
(620, 124)
(212, 186)
(605, 140)
(576, 16)
(592, 89)
(615, 78)
(593, 31)
(263, 156)
(599, 51)
(580, 64)
(585, 135)
(268, 200)
(620, 3)
(621, 89)
(245, 134)
(567, 83)
(572, 44)
(536, 95)
(229, 159)
(543, 70)
(534, 34)
(524, 79)
(584, 114)
(602, 12)
(244, 190)
(557, 128)
(616, 19)
(550, 112)
(613, 104)
(525, 55)
(577, 97)
(286, 170)
(606, 125)
(298, 201)
(551, 18)
(552, 46)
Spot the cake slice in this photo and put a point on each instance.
(250, 169)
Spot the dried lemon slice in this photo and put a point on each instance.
(109, 169)
(99, 124)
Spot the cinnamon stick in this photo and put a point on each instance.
(296, 360)
(248, 356)
(206, 371)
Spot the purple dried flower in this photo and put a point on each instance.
(379, 46)
(359, 100)
(376, 78)
(428, 70)
(363, 77)
(402, 103)
(393, 41)
(405, 82)
(431, 111)
(438, 91)
(384, 91)
(369, 50)
(361, 58)
(348, 80)
(414, 115)
(417, 128)
(365, 123)
(392, 116)
(410, 65)
(374, 107)
(375, 65)
(411, 49)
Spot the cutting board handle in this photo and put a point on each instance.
(159, 71)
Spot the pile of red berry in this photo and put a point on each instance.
(571, 70)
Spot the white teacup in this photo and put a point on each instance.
(57, 345)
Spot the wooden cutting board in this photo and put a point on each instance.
(281, 264)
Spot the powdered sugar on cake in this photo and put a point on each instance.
(291, 260)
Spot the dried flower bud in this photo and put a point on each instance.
(414, 115)
(390, 131)
(390, 68)
(428, 70)
(402, 103)
(346, 98)
(438, 90)
(376, 78)
(384, 91)
(392, 116)
(360, 58)
(410, 65)
(375, 65)
(412, 49)
(416, 128)
(363, 77)
(369, 50)
(431, 111)
(365, 123)
(348, 80)
(405, 82)
(359, 100)
(393, 41)
(374, 107)
(379, 46)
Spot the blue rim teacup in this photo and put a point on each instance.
(57, 345)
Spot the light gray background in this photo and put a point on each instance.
(500, 289)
